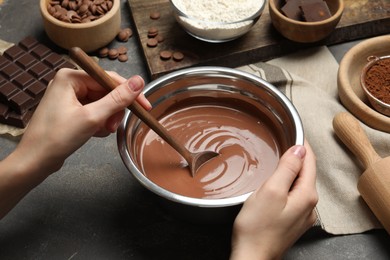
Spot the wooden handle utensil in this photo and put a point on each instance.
(374, 183)
(194, 160)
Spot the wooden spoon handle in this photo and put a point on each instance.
(348, 129)
(97, 73)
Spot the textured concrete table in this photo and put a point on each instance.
(93, 209)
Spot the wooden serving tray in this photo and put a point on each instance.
(361, 19)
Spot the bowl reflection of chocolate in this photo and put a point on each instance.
(242, 117)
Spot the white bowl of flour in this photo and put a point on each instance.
(219, 20)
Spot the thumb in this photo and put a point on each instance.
(119, 98)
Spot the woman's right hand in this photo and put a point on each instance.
(280, 211)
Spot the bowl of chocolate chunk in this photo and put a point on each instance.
(375, 81)
(305, 21)
(246, 120)
(88, 24)
(217, 21)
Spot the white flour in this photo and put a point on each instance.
(215, 13)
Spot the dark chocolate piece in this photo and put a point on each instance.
(40, 51)
(9, 117)
(315, 12)
(36, 89)
(64, 65)
(25, 71)
(13, 52)
(3, 62)
(28, 43)
(10, 71)
(291, 10)
(23, 80)
(7, 90)
(26, 61)
(53, 60)
(39, 70)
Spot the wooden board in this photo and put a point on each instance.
(361, 19)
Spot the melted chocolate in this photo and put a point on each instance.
(248, 150)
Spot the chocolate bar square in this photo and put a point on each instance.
(315, 12)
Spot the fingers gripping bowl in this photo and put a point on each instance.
(190, 97)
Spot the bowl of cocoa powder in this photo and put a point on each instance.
(217, 21)
(88, 24)
(246, 120)
(375, 81)
(350, 90)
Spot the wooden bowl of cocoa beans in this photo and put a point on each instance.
(88, 24)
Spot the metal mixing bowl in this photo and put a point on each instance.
(246, 91)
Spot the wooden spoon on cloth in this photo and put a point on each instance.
(374, 183)
(194, 160)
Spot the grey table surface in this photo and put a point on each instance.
(94, 209)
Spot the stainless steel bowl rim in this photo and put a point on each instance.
(207, 203)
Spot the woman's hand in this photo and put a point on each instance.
(280, 211)
(74, 108)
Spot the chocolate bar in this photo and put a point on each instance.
(25, 71)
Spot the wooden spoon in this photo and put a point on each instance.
(374, 184)
(194, 160)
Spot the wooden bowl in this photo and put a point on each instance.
(351, 93)
(88, 36)
(305, 32)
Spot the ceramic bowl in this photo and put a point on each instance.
(305, 32)
(89, 36)
(213, 30)
(350, 91)
(190, 86)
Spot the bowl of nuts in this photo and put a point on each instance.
(88, 24)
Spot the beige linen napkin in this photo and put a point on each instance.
(309, 79)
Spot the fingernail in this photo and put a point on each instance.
(135, 83)
(299, 151)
